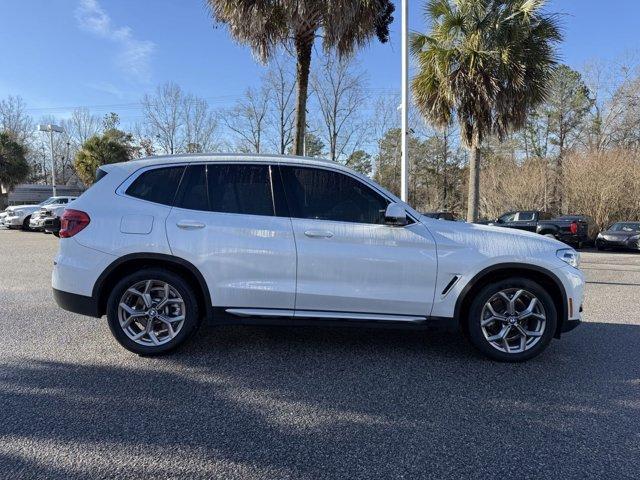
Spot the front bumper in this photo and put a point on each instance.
(627, 244)
(37, 223)
(573, 282)
(13, 221)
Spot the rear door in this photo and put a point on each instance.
(525, 220)
(350, 264)
(225, 223)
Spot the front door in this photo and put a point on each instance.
(225, 224)
(349, 261)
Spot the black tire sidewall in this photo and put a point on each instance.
(475, 311)
(25, 224)
(191, 322)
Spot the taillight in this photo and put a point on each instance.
(573, 228)
(72, 222)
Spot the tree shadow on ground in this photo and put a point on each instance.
(258, 402)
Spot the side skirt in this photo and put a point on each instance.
(246, 316)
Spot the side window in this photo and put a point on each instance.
(320, 194)
(158, 185)
(193, 189)
(227, 188)
(525, 216)
(244, 189)
(63, 201)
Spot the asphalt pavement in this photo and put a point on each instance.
(313, 403)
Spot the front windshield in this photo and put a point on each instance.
(625, 227)
(48, 201)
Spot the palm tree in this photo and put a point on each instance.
(487, 62)
(266, 24)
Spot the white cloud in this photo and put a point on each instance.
(134, 56)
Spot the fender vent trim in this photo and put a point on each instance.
(451, 283)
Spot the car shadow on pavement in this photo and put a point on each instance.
(304, 402)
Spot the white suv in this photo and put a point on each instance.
(19, 216)
(161, 243)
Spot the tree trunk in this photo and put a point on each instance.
(473, 201)
(304, 45)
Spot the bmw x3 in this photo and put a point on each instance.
(159, 245)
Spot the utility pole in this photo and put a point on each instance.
(404, 128)
(52, 128)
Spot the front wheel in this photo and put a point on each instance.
(25, 224)
(512, 320)
(152, 311)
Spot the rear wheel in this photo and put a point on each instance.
(152, 311)
(512, 320)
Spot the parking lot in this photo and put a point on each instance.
(275, 402)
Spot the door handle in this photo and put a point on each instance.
(189, 225)
(318, 234)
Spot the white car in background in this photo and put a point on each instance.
(48, 217)
(159, 244)
(19, 216)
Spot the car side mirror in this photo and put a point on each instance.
(395, 215)
(499, 220)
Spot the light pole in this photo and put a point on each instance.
(52, 128)
(404, 130)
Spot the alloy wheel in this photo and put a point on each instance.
(513, 320)
(151, 312)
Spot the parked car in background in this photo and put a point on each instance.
(522, 220)
(3, 215)
(440, 215)
(19, 216)
(158, 244)
(620, 235)
(575, 230)
(52, 217)
(36, 221)
(53, 225)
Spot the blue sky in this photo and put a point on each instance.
(106, 54)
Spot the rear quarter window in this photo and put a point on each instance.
(158, 185)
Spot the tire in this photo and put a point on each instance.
(25, 224)
(480, 335)
(117, 316)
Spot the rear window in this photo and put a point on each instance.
(158, 185)
(99, 174)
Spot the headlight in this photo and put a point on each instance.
(16, 213)
(635, 238)
(570, 256)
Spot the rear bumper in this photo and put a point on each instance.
(75, 303)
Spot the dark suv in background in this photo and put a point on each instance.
(575, 230)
